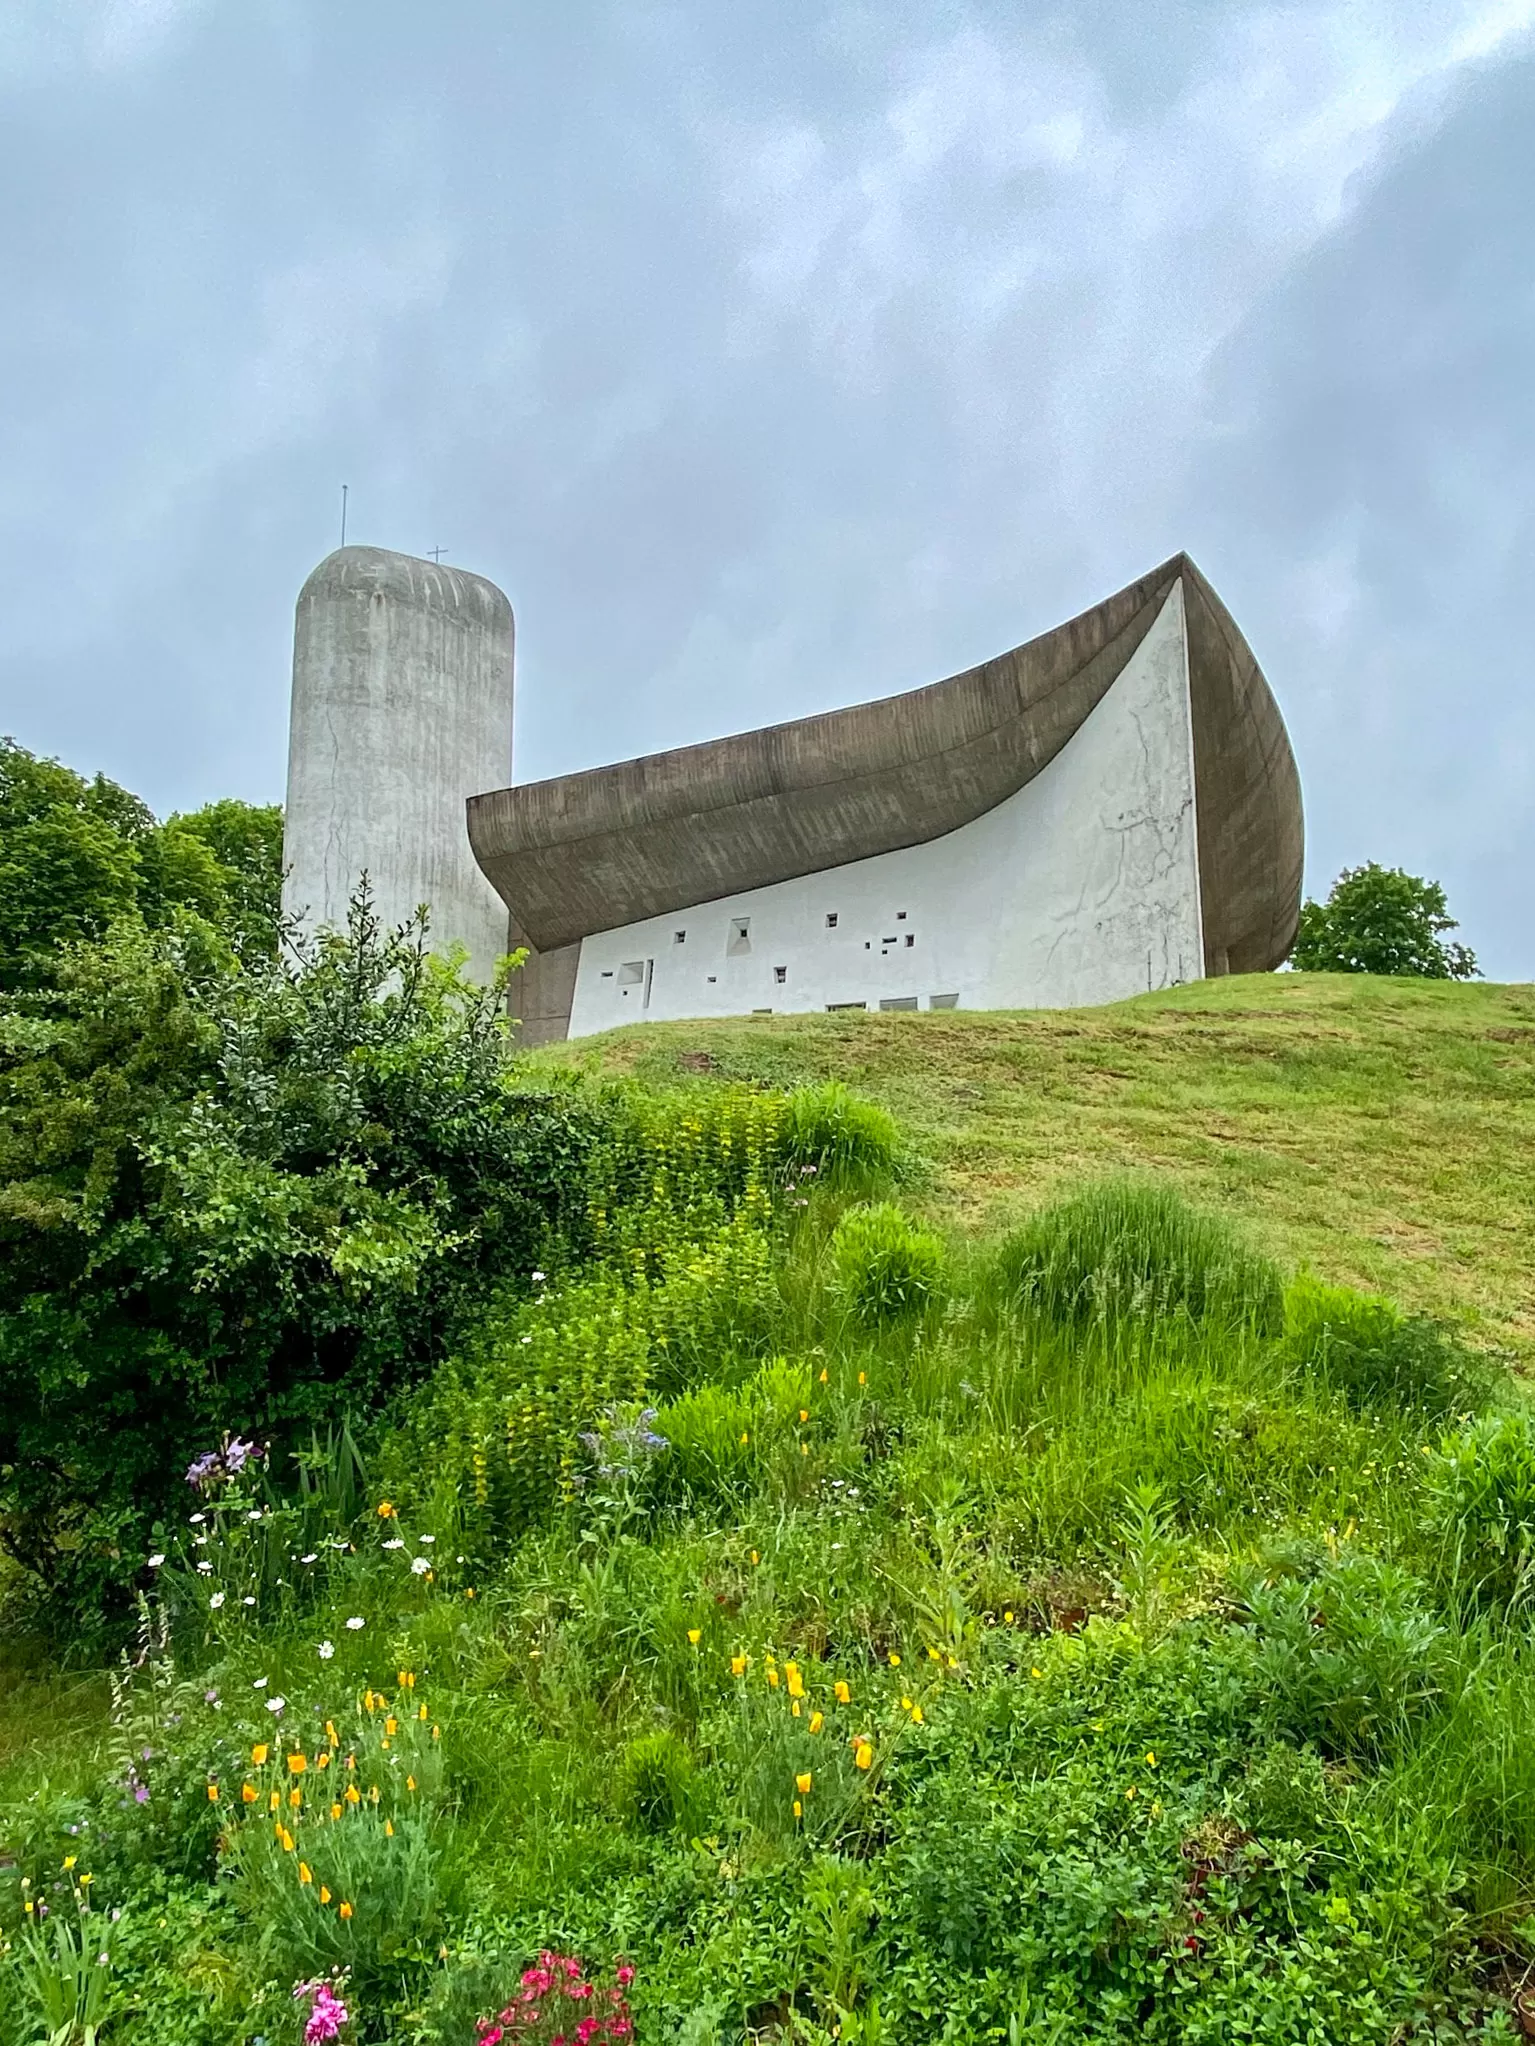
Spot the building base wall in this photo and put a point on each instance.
(1081, 888)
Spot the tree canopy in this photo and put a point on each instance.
(77, 856)
(1381, 920)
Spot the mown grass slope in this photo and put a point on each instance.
(1380, 1131)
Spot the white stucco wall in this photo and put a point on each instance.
(1081, 888)
(402, 707)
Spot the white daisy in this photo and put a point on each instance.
(419, 1565)
(355, 1622)
(155, 1562)
(217, 1600)
(327, 1650)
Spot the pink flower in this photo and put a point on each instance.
(493, 2037)
(625, 1974)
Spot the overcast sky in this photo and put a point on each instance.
(776, 354)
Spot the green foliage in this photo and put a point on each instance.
(243, 1198)
(1480, 1509)
(1381, 920)
(77, 856)
(1374, 1355)
(885, 1268)
(838, 1133)
(1128, 1252)
(659, 1786)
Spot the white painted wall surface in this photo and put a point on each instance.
(1081, 888)
(402, 708)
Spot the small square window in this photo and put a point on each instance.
(679, 937)
(831, 919)
(740, 939)
(900, 916)
(911, 939)
(713, 977)
(632, 971)
(780, 974)
(607, 973)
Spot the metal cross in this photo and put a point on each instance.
(436, 553)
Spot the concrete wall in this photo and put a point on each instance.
(402, 705)
(1082, 887)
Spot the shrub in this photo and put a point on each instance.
(1285, 1794)
(1124, 1251)
(1480, 1520)
(1373, 1355)
(885, 1267)
(243, 1198)
(1347, 1648)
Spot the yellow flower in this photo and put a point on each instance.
(335, 1811)
(743, 1438)
(322, 1759)
(895, 1660)
(804, 1449)
(297, 1764)
(1008, 1618)
(804, 1413)
(421, 1712)
(796, 1681)
(952, 1663)
(738, 1665)
(794, 1708)
(802, 1784)
(906, 1704)
(863, 1378)
(86, 1880)
(389, 1829)
(367, 1700)
(295, 1797)
(303, 1873)
(755, 1557)
(1036, 1672)
(933, 1655)
(916, 1715)
(863, 1754)
(385, 1510)
(823, 1375)
(353, 1794)
(772, 1677)
(259, 1753)
(324, 1894)
(391, 1727)
(816, 1722)
(249, 1793)
(695, 1635)
(799, 1809)
(1151, 1757)
(1131, 1792)
(843, 1694)
(373, 1793)
(213, 1793)
(331, 1735)
(346, 1910)
(436, 1733)
(287, 1841)
(410, 1783)
(274, 1802)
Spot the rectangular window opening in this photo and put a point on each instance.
(780, 974)
(679, 937)
(740, 939)
(911, 939)
(899, 1002)
(900, 916)
(943, 1001)
(631, 973)
(833, 1007)
(831, 919)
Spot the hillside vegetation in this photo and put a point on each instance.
(1381, 1131)
(892, 1530)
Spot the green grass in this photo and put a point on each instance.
(1379, 1131)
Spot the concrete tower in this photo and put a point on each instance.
(402, 709)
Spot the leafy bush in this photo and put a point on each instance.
(243, 1198)
(1125, 1251)
(1480, 1519)
(1348, 1650)
(1372, 1354)
(885, 1267)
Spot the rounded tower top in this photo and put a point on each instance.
(363, 572)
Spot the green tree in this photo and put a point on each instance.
(76, 856)
(242, 1196)
(1381, 920)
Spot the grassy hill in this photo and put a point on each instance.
(882, 1578)
(1381, 1132)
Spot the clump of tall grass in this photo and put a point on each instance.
(885, 1266)
(1480, 1520)
(1128, 1252)
(1372, 1355)
(837, 1133)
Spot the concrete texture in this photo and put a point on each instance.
(622, 845)
(402, 704)
(1082, 887)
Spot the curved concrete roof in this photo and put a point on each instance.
(425, 585)
(589, 852)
